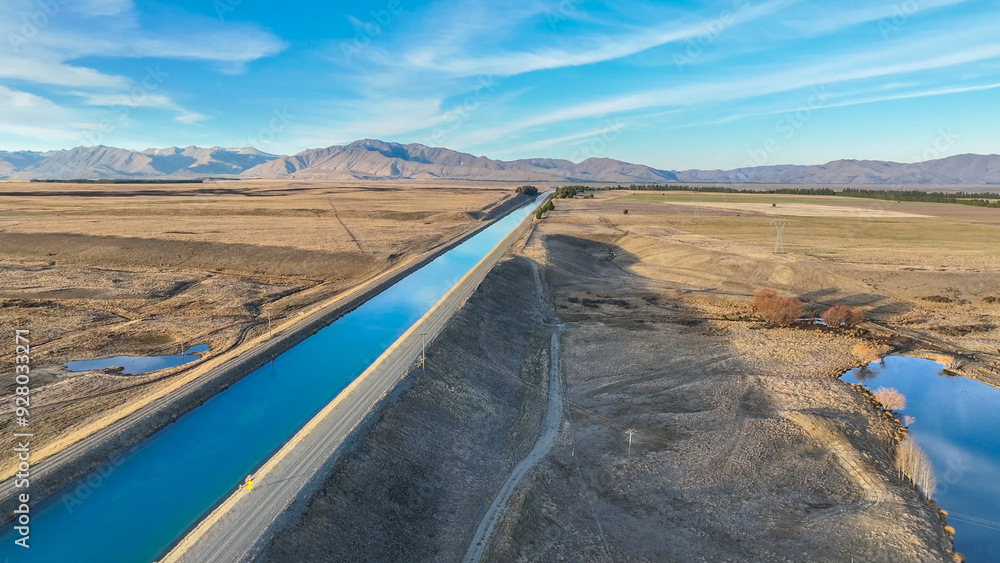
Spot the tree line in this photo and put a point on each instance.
(962, 198)
(978, 199)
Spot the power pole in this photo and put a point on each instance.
(630, 432)
(269, 331)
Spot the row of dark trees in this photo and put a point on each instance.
(963, 198)
(979, 199)
(545, 207)
(721, 189)
(565, 192)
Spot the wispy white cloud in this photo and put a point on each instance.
(57, 73)
(44, 54)
(190, 117)
(96, 8)
(571, 139)
(458, 51)
(383, 116)
(847, 68)
(823, 19)
(912, 95)
(846, 103)
(145, 100)
(34, 117)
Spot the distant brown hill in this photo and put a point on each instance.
(371, 159)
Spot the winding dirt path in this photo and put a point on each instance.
(550, 431)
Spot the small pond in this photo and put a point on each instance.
(956, 421)
(137, 365)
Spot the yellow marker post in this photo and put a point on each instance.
(249, 482)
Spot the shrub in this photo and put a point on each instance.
(763, 295)
(565, 192)
(890, 398)
(912, 462)
(527, 190)
(779, 310)
(547, 206)
(842, 315)
(625, 212)
(869, 352)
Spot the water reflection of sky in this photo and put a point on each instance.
(136, 365)
(957, 424)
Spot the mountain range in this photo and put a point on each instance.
(371, 159)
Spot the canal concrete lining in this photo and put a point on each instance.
(105, 440)
(237, 528)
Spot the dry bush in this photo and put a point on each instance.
(890, 398)
(869, 352)
(779, 310)
(912, 462)
(762, 296)
(842, 315)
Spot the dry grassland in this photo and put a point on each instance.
(745, 444)
(101, 270)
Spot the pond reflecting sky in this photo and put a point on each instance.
(957, 424)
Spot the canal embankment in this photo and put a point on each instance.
(238, 527)
(88, 451)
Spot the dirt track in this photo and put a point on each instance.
(745, 444)
(550, 431)
(660, 345)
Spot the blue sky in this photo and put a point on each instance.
(676, 85)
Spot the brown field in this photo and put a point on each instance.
(930, 270)
(101, 270)
(746, 446)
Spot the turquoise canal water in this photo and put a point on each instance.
(136, 365)
(958, 426)
(134, 507)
